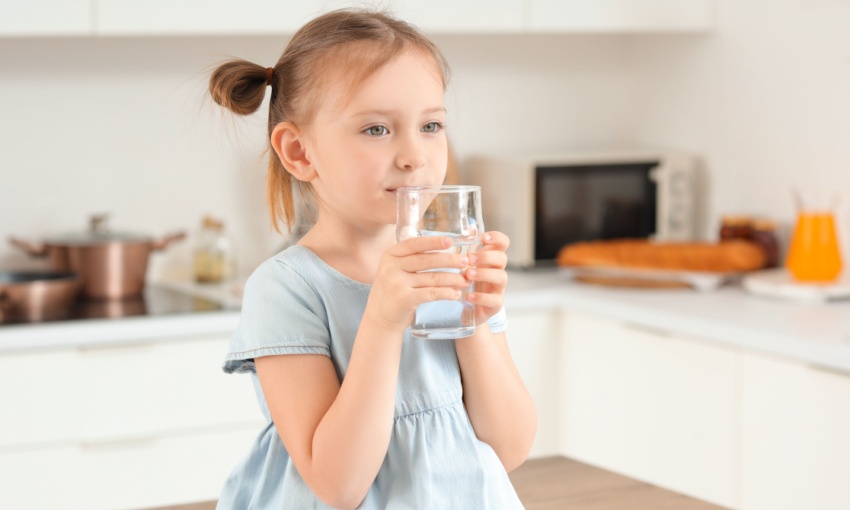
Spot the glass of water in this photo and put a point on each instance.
(454, 212)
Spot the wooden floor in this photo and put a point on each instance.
(558, 483)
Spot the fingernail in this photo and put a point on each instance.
(470, 273)
(488, 237)
(470, 297)
(464, 261)
(473, 259)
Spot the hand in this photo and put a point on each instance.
(488, 273)
(400, 285)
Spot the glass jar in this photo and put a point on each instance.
(213, 256)
(764, 234)
(736, 227)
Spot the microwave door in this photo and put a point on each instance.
(590, 203)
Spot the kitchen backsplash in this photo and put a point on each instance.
(122, 125)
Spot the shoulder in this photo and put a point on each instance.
(291, 271)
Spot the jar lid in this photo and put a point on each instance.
(763, 224)
(736, 219)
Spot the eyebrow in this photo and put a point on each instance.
(388, 112)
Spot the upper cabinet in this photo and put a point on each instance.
(259, 17)
(45, 17)
(199, 17)
(620, 15)
(202, 17)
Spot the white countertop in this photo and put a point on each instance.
(817, 333)
(812, 333)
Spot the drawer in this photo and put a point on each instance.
(136, 473)
(120, 391)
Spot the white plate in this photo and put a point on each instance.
(780, 283)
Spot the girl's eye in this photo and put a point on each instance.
(377, 130)
(432, 127)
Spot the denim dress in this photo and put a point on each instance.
(295, 303)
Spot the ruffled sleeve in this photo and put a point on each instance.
(281, 314)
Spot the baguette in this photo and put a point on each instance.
(726, 256)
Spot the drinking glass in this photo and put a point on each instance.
(454, 212)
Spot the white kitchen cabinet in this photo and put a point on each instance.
(466, 17)
(122, 426)
(130, 474)
(533, 340)
(202, 17)
(651, 405)
(46, 17)
(620, 15)
(795, 436)
(182, 17)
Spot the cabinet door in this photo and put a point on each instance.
(467, 16)
(45, 17)
(178, 17)
(182, 17)
(796, 436)
(139, 473)
(116, 392)
(621, 15)
(532, 339)
(651, 405)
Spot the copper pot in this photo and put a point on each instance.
(110, 265)
(36, 296)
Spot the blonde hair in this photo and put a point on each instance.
(342, 47)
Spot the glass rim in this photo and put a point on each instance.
(451, 188)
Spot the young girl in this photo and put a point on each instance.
(361, 414)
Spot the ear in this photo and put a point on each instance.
(288, 143)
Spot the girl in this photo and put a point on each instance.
(359, 413)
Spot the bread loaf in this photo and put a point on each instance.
(726, 256)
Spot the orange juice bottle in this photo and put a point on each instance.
(814, 254)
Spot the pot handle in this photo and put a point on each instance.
(165, 241)
(5, 302)
(35, 250)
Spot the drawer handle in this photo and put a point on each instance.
(641, 328)
(829, 370)
(117, 443)
(114, 348)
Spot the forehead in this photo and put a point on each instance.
(409, 75)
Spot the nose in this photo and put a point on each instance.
(411, 154)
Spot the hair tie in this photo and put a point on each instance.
(269, 73)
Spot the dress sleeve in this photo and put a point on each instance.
(281, 314)
(499, 322)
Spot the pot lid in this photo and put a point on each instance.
(98, 233)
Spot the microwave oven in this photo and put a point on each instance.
(544, 203)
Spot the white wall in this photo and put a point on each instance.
(765, 98)
(121, 125)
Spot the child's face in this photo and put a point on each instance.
(390, 134)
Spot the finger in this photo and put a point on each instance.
(495, 240)
(486, 300)
(420, 245)
(439, 279)
(496, 277)
(427, 294)
(425, 261)
(494, 258)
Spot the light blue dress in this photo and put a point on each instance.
(295, 303)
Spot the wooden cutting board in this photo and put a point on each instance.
(635, 283)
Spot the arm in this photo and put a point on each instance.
(338, 433)
(499, 406)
